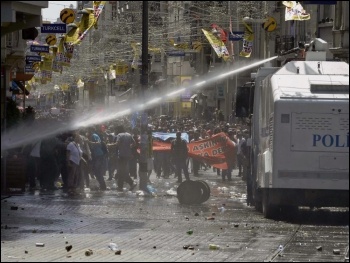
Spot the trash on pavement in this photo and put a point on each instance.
(336, 251)
(171, 192)
(319, 248)
(118, 252)
(39, 244)
(214, 247)
(190, 232)
(210, 218)
(113, 246)
(88, 252)
(68, 248)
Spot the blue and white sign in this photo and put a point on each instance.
(236, 36)
(54, 28)
(169, 136)
(40, 49)
(33, 58)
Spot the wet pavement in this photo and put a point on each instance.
(159, 228)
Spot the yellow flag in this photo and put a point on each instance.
(218, 45)
(46, 64)
(197, 45)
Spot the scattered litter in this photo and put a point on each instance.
(68, 248)
(280, 248)
(236, 225)
(190, 232)
(196, 214)
(336, 251)
(14, 207)
(214, 247)
(140, 193)
(319, 248)
(25, 252)
(213, 214)
(189, 247)
(39, 244)
(154, 247)
(88, 252)
(210, 218)
(222, 209)
(171, 192)
(187, 218)
(118, 252)
(113, 246)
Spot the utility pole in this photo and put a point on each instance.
(144, 85)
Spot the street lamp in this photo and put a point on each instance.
(144, 83)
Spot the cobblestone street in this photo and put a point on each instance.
(144, 228)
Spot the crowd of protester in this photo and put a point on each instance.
(110, 151)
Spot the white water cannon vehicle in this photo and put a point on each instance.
(300, 135)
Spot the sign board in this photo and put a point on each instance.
(54, 28)
(41, 49)
(220, 92)
(270, 24)
(236, 35)
(33, 58)
(29, 68)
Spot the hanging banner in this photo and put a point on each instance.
(89, 19)
(217, 151)
(295, 11)
(218, 45)
(164, 136)
(247, 41)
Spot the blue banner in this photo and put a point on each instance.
(40, 49)
(236, 35)
(53, 28)
(169, 136)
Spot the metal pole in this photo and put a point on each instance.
(144, 85)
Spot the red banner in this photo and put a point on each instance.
(216, 151)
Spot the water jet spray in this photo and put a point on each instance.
(23, 135)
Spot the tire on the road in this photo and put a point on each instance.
(189, 192)
(205, 190)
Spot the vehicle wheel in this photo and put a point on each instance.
(268, 210)
(205, 190)
(257, 201)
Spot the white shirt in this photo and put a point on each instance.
(240, 141)
(75, 152)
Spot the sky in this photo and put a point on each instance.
(53, 11)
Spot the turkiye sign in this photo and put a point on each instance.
(33, 58)
(54, 28)
(40, 49)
